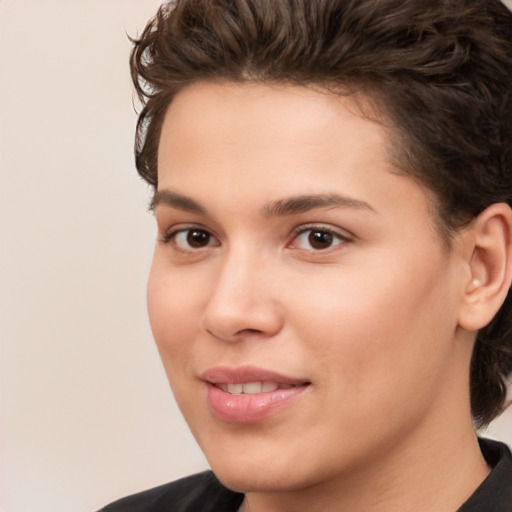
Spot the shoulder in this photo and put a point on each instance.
(196, 493)
(495, 492)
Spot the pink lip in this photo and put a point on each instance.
(249, 408)
(225, 375)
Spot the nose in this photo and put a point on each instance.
(243, 302)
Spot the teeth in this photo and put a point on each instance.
(235, 389)
(268, 386)
(251, 388)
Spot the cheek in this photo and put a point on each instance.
(173, 312)
(380, 328)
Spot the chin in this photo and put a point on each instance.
(265, 470)
(260, 479)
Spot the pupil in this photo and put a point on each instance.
(197, 238)
(320, 239)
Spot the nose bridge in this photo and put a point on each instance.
(242, 298)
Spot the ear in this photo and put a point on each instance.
(489, 255)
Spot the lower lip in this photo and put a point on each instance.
(250, 408)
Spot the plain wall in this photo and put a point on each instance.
(86, 415)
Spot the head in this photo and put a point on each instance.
(437, 76)
(332, 181)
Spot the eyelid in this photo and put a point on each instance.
(342, 235)
(170, 234)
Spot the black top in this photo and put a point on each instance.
(204, 493)
(196, 493)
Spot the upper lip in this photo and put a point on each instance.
(241, 374)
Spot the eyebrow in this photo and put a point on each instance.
(304, 203)
(279, 208)
(175, 200)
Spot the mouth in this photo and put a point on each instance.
(252, 388)
(248, 394)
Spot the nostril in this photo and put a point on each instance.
(237, 319)
(242, 334)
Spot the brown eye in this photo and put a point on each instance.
(317, 239)
(320, 239)
(193, 238)
(198, 238)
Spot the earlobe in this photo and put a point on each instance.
(490, 263)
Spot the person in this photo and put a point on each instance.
(329, 292)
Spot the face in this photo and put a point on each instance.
(301, 299)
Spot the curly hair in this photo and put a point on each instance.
(440, 72)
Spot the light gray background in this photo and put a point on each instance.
(85, 411)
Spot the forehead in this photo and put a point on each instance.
(274, 141)
(231, 121)
(226, 100)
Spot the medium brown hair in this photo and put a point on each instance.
(439, 71)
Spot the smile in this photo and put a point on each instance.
(251, 388)
(249, 394)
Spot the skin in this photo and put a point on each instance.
(372, 321)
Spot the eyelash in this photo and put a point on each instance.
(170, 237)
(301, 230)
